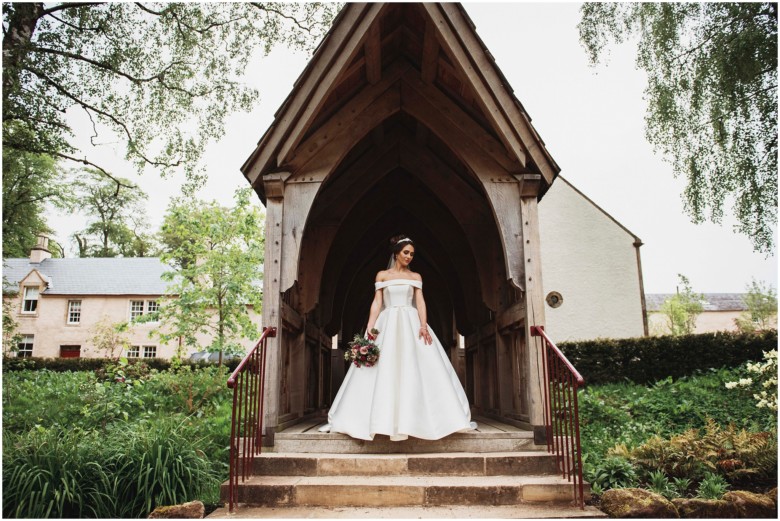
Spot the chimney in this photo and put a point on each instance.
(40, 251)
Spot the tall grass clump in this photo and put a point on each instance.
(125, 472)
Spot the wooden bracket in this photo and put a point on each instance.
(274, 184)
(530, 184)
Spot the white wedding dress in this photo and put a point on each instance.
(411, 391)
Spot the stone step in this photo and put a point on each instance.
(436, 464)
(390, 491)
(521, 511)
(518, 441)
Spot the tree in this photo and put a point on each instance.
(712, 99)
(117, 217)
(161, 76)
(30, 183)
(761, 303)
(11, 335)
(682, 309)
(110, 338)
(216, 254)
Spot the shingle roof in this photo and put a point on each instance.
(77, 276)
(712, 301)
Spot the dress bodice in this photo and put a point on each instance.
(398, 292)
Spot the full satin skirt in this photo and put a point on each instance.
(412, 390)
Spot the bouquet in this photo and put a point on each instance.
(363, 351)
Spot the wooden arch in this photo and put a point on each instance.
(403, 122)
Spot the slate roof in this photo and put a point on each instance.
(77, 276)
(712, 301)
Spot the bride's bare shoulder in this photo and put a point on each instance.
(381, 276)
(416, 276)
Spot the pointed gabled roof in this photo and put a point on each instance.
(433, 47)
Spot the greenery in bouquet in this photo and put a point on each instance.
(362, 351)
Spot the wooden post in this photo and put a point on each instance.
(534, 299)
(272, 298)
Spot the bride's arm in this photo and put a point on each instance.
(376, 307)
(422, 311)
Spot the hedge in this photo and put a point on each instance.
(92, 364)
(649, 359)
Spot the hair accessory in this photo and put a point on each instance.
(406, 239)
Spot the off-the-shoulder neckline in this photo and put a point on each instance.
(394, 280)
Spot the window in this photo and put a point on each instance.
(70, 351)
(74, 312)
(138, 308)
(30, 304)
(25, 346)
(142, 352)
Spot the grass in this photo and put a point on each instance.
(79, 445)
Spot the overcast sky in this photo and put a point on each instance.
(591, 119)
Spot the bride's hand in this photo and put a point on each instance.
(426, 336)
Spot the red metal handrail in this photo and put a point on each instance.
(561, 413)
(246, 428)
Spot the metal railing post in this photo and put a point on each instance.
(561, 384)
(246, 428)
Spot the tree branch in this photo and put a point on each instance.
(105, 114)
(84, 161)
(180, 22)
(71, 5)
(265, 8)
(105, 66)
(74, 26)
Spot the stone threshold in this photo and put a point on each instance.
(521, 511)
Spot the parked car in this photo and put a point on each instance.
(213, 358)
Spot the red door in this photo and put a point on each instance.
(70, 351)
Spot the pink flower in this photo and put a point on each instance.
(363, 350)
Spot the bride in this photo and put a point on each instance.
(413, 389)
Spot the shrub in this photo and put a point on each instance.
(712, 487)
(649, 359)
(93, 364)
(191, 391)
(78, 446)
(659, 483)
(682, 486)
(629, 414)
(762, 382)
(125, 472)
(613, 472)
(737, 455)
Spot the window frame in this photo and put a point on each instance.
(23, 341)
(133, 352)
(25, 300)
(134, 312)
(72, 312)
(144, 309)
(149, 349)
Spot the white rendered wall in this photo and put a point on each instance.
(591, 261)
(50, 329)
